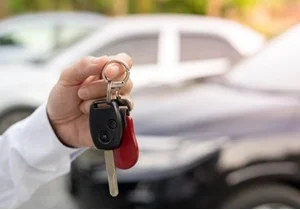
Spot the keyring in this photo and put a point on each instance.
(117, 84)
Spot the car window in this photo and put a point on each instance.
(38, 43)
(67, 35)
(195, 47)
(142, 48)
(276, 67)
(29, 41)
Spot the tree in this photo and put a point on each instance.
(214, 7)
(3, 8)
(119, 7)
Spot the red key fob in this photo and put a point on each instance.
(127, 154)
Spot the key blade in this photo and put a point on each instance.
(111, 173)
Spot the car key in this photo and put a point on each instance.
(106, 126)
(106, 129)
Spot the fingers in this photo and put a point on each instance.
(97, 89)
(80, 71)
(89, 66)
(118, 69)
(85, 105)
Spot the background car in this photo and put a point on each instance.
(229, 141)
(165, 49)
(32, 37)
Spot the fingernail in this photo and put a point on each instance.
(83, 93)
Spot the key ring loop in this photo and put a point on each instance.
(109, 92)
(117, 84)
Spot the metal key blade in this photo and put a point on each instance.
(111, 173)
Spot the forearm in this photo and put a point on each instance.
(30, 156)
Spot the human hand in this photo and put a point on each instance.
(78, 86)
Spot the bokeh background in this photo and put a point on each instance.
(267, 16)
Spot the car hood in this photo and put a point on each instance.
(208, 110)
(25, 84)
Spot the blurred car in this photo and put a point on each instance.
(228, 141)
(165, 49)
(30, 38)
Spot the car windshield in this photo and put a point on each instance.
(63, 41)
(37, 38)
(276, 67)
(39, 46)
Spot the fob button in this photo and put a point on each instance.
(104, 137)
(112, 124)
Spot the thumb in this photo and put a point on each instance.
(80, 71)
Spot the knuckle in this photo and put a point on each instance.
(84, 61)
(86, 107)
(81, 107)
(87, 59)
(132, 104)
(64, 75)
(83, 65)
(127, 88)
(130, 85)
(126, 57)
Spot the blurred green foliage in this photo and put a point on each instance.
(22, 6)
(135, 6)
(179, 6)
(105, 6)
(267, 16)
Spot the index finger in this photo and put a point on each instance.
(79, 72)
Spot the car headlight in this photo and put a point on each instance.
(161, 154)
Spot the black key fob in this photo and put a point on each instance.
(106, 125)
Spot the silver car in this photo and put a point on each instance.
(33, 37)
(165, 49)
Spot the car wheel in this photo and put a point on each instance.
(270, 196)
(12, 117)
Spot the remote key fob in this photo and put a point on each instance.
(106, 124)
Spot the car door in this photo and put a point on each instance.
(141, 43)
(205, 54)
(143, 48)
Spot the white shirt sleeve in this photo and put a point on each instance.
(31, 155)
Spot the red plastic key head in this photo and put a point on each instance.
(127, 154)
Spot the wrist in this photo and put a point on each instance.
(56, 129)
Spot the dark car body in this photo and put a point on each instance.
(235, 145)
(260, 129)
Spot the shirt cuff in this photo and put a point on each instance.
(42, 149)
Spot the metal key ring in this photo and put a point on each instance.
(117, 84)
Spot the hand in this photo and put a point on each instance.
(78, 86)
